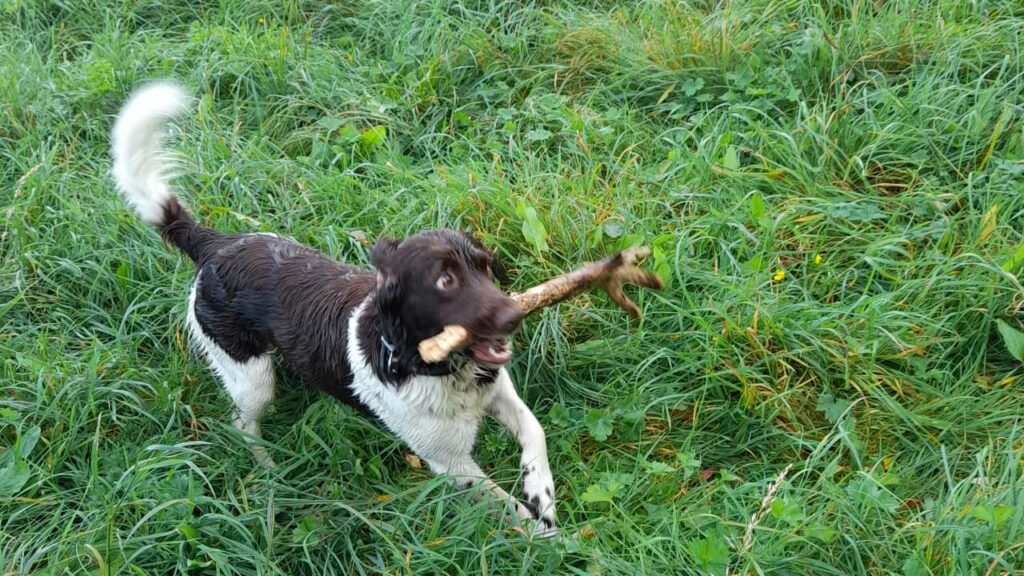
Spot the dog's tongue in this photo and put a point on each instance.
(491, 350)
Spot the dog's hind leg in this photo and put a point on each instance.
(251, 391)
(249, 383)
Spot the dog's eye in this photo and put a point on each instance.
(445, 281)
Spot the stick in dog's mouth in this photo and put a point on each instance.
(609, 274)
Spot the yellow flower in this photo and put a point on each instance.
(262, 21)
(779, 275)
(817, 259)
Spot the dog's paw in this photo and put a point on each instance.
(263, 457)
(543, 528)
(539, 498)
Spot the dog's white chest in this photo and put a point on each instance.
(431, 413)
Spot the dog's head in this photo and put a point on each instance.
(442, 277)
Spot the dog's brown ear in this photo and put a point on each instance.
(497, 266)
(388, 290)
(382, 251)
(499, 270)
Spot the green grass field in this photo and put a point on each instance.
(831, 384)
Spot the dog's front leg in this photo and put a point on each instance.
(468, 474)
(538, 485)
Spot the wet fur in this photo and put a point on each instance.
(332, 324)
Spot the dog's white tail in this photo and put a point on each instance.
(140, 165)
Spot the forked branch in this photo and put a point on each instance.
(610, 275)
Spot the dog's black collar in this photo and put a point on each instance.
(389, 363)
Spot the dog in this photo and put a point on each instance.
(349, 331)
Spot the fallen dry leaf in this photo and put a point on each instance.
(414, 460)
(358, 236)
(912, 504)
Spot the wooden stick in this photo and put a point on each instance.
(609, 274)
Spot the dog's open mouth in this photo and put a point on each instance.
(493, 351)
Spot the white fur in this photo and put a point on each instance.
(438, 417)
(140, 167)
(250, 384)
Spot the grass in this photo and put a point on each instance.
(835, 191)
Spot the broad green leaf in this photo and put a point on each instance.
(533, 229)
(687, 460)
(870, 494)
(1013, 338)
(632, 426)
(374, 136)
(731, 158)
(857, 211)
(330, 123)
(123, 274)
(559, 415)
(710, 554)
(657, 468)
(306, 531)
(662, 239)
(789, 512)
(597, 493)
(820, 532)
(190, 533)
(663, 270)
(348, 134)
(600, 423)
(833, 407)
(914, 566)
(13, 477)
(995, 515)
(692, 86)
(728, 476)
(628, 241)
(662, 267)
(757, 209)
(537, 135)
(1016, 260)
(27, 441)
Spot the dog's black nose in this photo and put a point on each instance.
(508, 319)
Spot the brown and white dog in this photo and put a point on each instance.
(349, 331)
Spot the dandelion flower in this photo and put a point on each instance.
(779, 275)
(817, 259)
